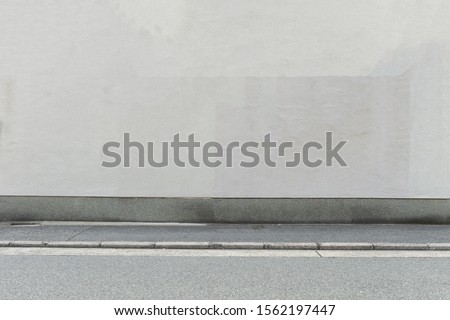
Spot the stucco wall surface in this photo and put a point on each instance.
(77, 74)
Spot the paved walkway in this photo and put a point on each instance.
(203, 236)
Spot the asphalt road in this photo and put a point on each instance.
(165, 274)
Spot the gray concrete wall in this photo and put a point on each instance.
(75, 74)
(215, 210)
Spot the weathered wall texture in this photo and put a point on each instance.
(76, 74)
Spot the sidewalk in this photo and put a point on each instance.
(204, 236)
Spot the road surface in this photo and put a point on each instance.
(44, 273)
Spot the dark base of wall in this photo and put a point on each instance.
(224, 210)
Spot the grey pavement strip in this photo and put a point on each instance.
(231, 233)
(384, 253)
(345, 246)
(159, 252)
(231, 245)
(21, 251)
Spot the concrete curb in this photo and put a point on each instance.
(69, 244)
(27, 244)
(181, 245)
(439, 246)
(291, 246)
(126, 245)
(400, 246)
(345, 246)
(227, 245)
